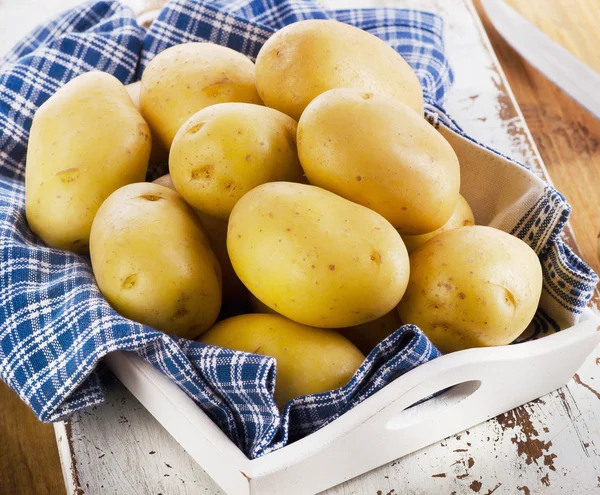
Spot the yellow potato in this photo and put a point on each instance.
(225, 150)
(307, 58)
(153, 262)
(314, 257)
(368, 335)
(309, 360)
(158, 153)
(462, 216)
(472, 287)
(86, 141)
(377, 152)
(186, 78)
(235, 294)
(165, 181)
(259, 307)
(365, 336)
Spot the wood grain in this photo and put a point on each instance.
(157, 464)
(567, 136)
(28, 455)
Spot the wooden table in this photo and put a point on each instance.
(548, 446)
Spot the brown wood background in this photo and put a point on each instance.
(569, 142)
(567, 136)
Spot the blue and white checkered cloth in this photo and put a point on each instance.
(55, 325)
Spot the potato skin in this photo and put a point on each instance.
(152, 261)
(377, 152)
(365, 336)
(309, 360)
(165, 180)
(158, 154)
(186, 78)
(307, 58)
(86, 141)
(260, 307)
(368, 335)
(236, 298)
(225, 150)
(462, 216)
(472, 287)
(315, 257)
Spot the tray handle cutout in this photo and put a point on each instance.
(426, 408)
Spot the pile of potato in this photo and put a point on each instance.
(298, 185)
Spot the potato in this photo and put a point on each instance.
(472, 287)
(314, 257)
(368, 335)
(307, 58)
(153, 262)
(462, 216)
(225, 150)
(186, 78)
(377, 152)
(309, 360)
(365, 336)
(165, 181)
(259, 307)
(158, 153)
(235, 294)
(86, 141)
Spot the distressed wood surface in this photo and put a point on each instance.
(567, 135)
(119, 448)
(549, 446)
(25, 445)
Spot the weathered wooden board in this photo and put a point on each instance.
(126, 452)
(548, 446)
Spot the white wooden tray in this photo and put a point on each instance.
(485, 382)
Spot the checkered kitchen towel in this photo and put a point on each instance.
(54, 323)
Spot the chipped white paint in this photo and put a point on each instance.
(382, 425)
(546, 447)
(119, 448)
